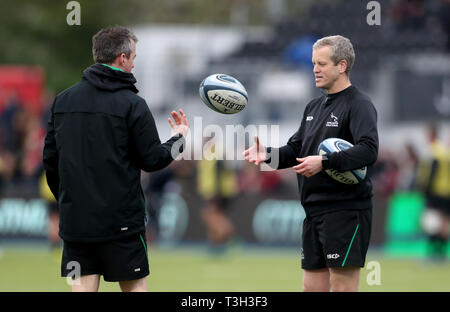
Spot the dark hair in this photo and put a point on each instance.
(110, 42)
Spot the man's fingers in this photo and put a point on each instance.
(257, 143)
(184, 117)
(171, 123)
(176, 117)
(300, 169)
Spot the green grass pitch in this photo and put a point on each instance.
(193, 269)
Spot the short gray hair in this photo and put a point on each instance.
(341, 49)
(109, 43)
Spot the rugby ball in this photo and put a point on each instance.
(223, 93)
(331, 145)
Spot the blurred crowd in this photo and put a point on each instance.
(430, 15)
(21, 142)
(410, 170)
(427, 175)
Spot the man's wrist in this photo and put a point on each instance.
(268, 154)
(325, 162)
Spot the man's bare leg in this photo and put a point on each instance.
(316, 280)
(344, 279)
(86, 283)
(139, 285)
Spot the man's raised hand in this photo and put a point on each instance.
(181, 125)
(256, 154)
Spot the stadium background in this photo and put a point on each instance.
(403, 64)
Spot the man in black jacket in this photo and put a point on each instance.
(337, 227)
(100, 136)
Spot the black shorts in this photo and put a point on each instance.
(53, 208)
(125, 259)
(336, 239)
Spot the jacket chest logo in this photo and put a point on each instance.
(334, 122)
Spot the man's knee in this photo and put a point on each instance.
(316, 286)
(86, 283)
(139, 285)
(344, 279)
(316, 280)
(342, 286)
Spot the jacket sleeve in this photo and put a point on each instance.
(151, 154)
(285, 156)
(363, 128)
(50, 155)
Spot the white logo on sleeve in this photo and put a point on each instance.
(309, 118)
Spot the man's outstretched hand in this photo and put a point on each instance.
(181, 125)
(256, 154)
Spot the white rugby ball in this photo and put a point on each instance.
(331, 145)
(223, 93)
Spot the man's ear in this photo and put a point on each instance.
(122, 58)
(342, 66)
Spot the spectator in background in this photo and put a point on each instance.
(21, 143)
(252, 180)
(33, 145)
(408, 14)
(53, 213)
(408, 166)
(25, 145)
(9, 165)
(13, 143)
(217, 185)
(155, 185)
(436, 187)
(249, 179)
(431, 16)
(2, 178)
(444, 15)
(10, 109)
(384, 175)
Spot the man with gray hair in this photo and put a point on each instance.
(100, 136)
(337, 227)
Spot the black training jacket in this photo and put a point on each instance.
(349, 115)
(100, 135)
